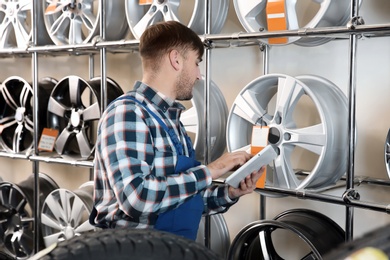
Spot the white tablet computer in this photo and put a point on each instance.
(262, 158)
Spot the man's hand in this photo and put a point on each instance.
(247, 185)
(228, 162)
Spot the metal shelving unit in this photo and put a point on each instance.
(351, 33)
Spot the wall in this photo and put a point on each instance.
(232, 69)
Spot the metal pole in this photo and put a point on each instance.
(103, 54)
(352, 120)
(35, 165)
(207, 226)
(265, 50)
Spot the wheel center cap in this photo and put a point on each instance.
(19, 114)
(68, 232)
(75, 118)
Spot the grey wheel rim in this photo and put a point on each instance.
(16, 96)
(253, 17)
(76, 22)
(16, 220)
(275, 100)
(74, 110)
(193, 120)
(16, 25)
(65, 214)
(139, 17)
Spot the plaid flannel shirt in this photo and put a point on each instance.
(135, 162)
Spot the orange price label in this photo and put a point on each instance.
(145, 2)
(259, 141)
(276, 19)
(48, 139)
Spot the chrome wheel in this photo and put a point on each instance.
(16, 24)
(65, 214)
(190, 13)
(74, 110)
(17, 112)
(16, 214)
(307, 118)
(77, 21)
(193, 120)
(219, 235)
(298, 14)
(304, 230)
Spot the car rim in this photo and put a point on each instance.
(139, 17)
(15, 24)
(74, 110)
(75, 22)
(65, 214)
(193, 119)
(16, 221)
(17, 112)
(253, 17)
(307, 117)
(259, 240)
(219, 235)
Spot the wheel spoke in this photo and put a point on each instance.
(75, 91)
(64, 199)
(75, 32)
(145, 22)
(22, 36)
(9, 98)
(50, 222)
(311, 138)
(84, 227)
(288, 95)
(4, 33)
(82, 140)
(252, 8)
(247, 107)
(284, 175)
(77, 209)
(25, 5)
(292, 17)
(25, 94)
(171, 11)
(56, 108)
(17, 138)
(62, 140)
(57, 209)
(59, 26)
(7, 122)
(89, 20)
(52, 238)
(92, 112)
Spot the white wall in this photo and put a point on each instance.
(232, 70)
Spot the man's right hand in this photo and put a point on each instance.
(227, 162)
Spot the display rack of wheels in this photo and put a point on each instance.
(76, 23)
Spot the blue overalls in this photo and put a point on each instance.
(183, 220)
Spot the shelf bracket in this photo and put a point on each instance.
(349, 195)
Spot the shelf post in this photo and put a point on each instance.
(352, 120)
(207, 30)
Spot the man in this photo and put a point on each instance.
(146, 175)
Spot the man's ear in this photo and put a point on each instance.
(175, 59)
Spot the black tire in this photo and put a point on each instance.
(378, 239)
(139, 244)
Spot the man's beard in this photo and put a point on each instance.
(184, 87)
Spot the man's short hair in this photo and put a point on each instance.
(162, 37)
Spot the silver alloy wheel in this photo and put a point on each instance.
(16, 115)
(65, 214)
(77, 21)
(387, 153)
(193, 120)
(307, 117)
(304, 230)
(299, 14)
(74, 110)
(219, 234)
(16, 24)
(139, 17)
(16, 214)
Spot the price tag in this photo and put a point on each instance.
(48, 139)
(276, 19)
(145, 2)
(259, 141)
